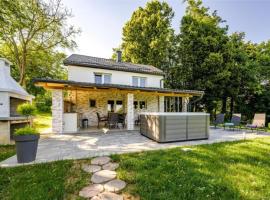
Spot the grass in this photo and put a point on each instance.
(6, 151)
(43, 122)
(57, 180)
(231, 170)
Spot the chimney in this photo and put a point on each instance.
(5, 66)
(119, 56)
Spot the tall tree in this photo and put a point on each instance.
(29, 27)
(202, 41)
(148, 34)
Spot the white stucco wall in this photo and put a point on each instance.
(86, 74)
(4, 104)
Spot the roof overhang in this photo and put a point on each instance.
(74, 85)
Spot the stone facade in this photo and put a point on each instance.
(81, 100)
(57, 111)
(130, 111)
(185, 101)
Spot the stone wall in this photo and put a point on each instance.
(57, 111)
(81, 99)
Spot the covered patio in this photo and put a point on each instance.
(77, 103)
(85, 145)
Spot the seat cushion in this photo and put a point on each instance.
(229, 124)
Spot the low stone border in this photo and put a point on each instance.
(104, 185)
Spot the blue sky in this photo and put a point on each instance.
(101, 21)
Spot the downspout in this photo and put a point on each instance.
(194, 101)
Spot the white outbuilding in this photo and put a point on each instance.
(11, 96)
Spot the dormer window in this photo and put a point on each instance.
(138, 81)
(101, 78)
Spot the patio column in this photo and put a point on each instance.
(161, 103)
(57, 111)
(130, 111)
(185, 101)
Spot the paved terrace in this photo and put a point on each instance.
(83, 145)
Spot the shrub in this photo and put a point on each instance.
(44, 102)
(26, 131)
(26, 109)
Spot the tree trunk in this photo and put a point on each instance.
(224, 105)
(231, 106)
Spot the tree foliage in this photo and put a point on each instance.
(33, 27)
(148, 34)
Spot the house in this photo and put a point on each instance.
(98, 85)
(11, 96)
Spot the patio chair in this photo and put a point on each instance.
(101, 119)
(112, 120)
(257, 122)
(219, 119)
(122, 119)
(235, 121)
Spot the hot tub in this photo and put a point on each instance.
(171, 127)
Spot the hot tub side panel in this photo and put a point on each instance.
(174, 128)
(198, 127)
(149, 127)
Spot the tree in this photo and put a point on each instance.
(148, 34)
(202, 42)
(33, 27)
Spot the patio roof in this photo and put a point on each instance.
(66, 84)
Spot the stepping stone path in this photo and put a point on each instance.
(104, 184)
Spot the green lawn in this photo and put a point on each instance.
(238, 170)
(6, 151)
(231, 170)
(43, 122)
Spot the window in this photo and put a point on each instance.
(119, 107)
(143, 82)
(139, 105)
(103, 78)
(98, 78)
(135, 104)
(135, 81)
(142, 105)
(92, 103)
(110, 106)
(107, 78)
(173, 104)
(138, 81)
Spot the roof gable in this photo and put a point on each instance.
(102, 63)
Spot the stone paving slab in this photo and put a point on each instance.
(108, 196)
(91, 168)
(103, 176)
(110, 166)
(115, 185)
(79, 146)
(91, 190)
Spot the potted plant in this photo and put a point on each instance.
(26, 138)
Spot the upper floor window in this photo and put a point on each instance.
(103, 78)
(138, 81)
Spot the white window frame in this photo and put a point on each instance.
(102, 77)
(139, 81)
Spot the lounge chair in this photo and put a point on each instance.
(235, 121)
(219, 119)
(257, 122)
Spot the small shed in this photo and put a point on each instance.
(11, 96)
